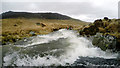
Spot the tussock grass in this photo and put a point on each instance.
(17, 28)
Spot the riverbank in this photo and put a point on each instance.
(109, 33)
(14, 29)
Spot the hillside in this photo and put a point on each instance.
(11, 14)
(18, 25)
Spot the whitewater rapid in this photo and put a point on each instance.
(62, 47)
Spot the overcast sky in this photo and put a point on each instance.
(86, 10)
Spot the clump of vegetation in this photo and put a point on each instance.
(110, 26)
(105, 27)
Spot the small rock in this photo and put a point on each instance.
(41, 24)
(37, 23)
(55, 29)
(47, 58)
(32, 33)
(15, 25)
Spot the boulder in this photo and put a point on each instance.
(105, 42)
(40, 24)
(98, 23)
(55, 29)
(91, 30)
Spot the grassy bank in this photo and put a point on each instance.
(108, 28)
(17, 28)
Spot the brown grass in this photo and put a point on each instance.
(20, 27)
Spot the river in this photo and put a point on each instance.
(60, 48)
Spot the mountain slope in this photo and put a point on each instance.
(11, 14)
(18, 25)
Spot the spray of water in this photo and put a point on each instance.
(72, 46)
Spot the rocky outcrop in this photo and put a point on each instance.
(91, 30)
(107, 28)
(105, 42)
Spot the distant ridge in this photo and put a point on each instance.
(11, 14)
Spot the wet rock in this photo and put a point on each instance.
(118, 44)
(47, 58)
(107, 27)
(32, 33)
(23, 41)
(105, 42)
(55, 29)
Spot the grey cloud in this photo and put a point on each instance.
(68, 8)
(119, 9)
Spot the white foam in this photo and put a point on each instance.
(79, 46)
(40, 39)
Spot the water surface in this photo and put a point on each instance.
(60, 48)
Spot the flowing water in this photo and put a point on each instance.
(60, 48)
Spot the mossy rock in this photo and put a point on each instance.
(109, 28)
(91, 30)
(10, 38)
(105, 42)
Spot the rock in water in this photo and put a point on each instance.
(104, 42)
(32, 33)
